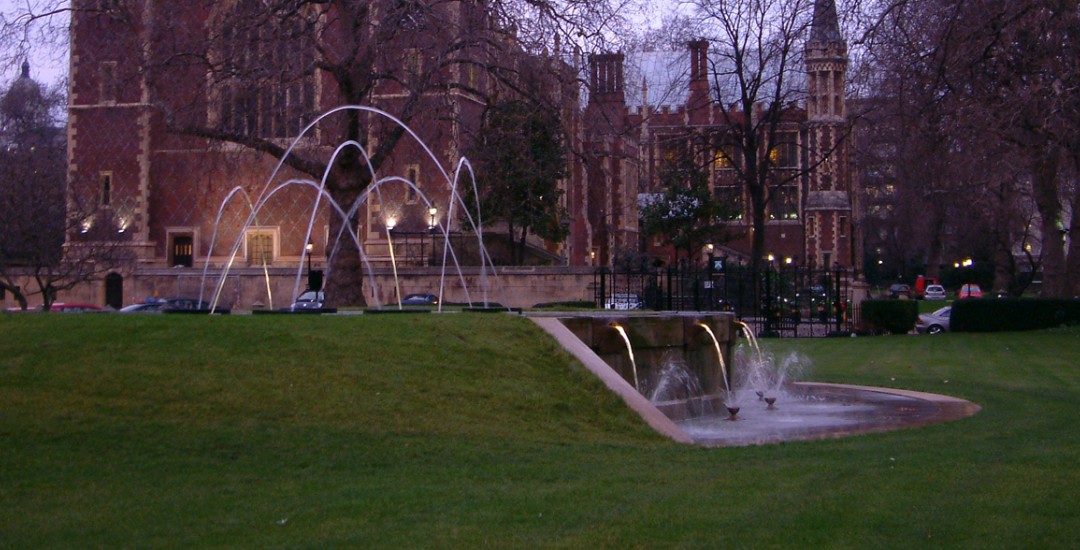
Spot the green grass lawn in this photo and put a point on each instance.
(477, 431)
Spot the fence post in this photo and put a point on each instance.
(838, 301)
(603, 287)
(769, 304)
(669, 277)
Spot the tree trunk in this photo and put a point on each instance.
(16, 293)
(1072, 262)
(511, 242)
(1044, 184)
(757, 235)
(521, 246)
(345, 276)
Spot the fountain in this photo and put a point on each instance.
(682, 383)
(629, 351)
(346, 212)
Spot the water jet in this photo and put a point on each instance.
(681, 383)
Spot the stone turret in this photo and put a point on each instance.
(828, 207)
(826, 65)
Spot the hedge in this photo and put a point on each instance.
(1008, 314)
(895, 316)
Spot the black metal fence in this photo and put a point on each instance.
(780, 301)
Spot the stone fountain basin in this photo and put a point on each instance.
(815, 410)
(806, 411)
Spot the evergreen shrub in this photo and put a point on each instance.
(1007, 314)
(894, 316)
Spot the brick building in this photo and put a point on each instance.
(181, 115)
(637, 122)
(185, 119)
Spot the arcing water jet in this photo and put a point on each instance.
(629, 350)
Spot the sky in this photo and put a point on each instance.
(47, 65)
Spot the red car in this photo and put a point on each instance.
(64, 307)
(969, 291)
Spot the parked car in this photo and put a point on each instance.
(145, 307)
(969, 291)
(922, 283)
(309, 299)
(934, 323)
(420, 299)
(934, 292)
(899, 291)
(189, 305)
(67, 307)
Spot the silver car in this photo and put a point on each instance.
(309, 300)
(934, 323)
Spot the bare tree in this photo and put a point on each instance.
(250, 73)
(1000, 86)
(34, 218)
(757, 78)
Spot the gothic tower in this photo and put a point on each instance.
(828, 208)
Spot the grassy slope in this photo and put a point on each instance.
(476, 431)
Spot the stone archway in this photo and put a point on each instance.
(114, 290)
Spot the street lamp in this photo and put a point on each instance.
(432, 214)
(309, 247)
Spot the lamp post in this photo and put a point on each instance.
(433, 214)
(309, 247)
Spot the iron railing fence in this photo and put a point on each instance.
(783, 301)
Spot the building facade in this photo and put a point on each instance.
(195, 131)
(200, 132)
(670, 108)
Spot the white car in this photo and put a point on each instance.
(934, 292)
(624, 301)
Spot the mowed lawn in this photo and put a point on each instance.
(477, 431)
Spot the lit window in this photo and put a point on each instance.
(722, 160)
(182, 252)
(260, 247)
(785, 154)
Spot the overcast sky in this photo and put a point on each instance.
(46, 64)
